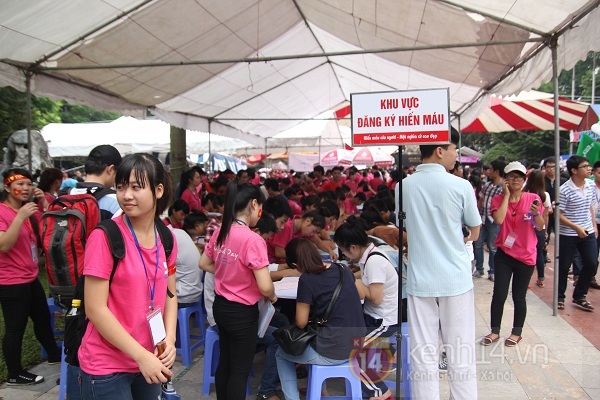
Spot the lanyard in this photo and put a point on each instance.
(241, 222)
(515, 212)
(137, 244)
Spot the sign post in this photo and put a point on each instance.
(399, 118)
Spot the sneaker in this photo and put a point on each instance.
(267, 396)
(54, 360)
(477, 274)
(443, 364)
(25, 378)
(491, 277)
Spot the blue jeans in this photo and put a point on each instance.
(73, 382)
(287, 369)
(118, 386)
(589, 255)
(270, 378)
(489, 232)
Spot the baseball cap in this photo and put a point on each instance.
(105, 155)
(515, 166)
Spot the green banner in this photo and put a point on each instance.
(589, 148)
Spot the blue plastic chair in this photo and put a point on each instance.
(53, 308)
(317, 374)
(62, 390)
(187, 341)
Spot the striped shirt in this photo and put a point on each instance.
(575, 205)
(489, 190)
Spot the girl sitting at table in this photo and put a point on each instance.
(379, 278)
(333, 344)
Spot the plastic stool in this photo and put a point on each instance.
(211, 360)
(317, 374)
(53, 308)
(184, 344)
(62, 391)
(405, 362)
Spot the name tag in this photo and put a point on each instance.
(157, 325)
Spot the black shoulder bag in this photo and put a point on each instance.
(294, 340)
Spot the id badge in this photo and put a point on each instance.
(157, 325)
(510, 240)
(34, 253)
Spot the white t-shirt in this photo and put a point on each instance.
(379, 269)
(188, 275)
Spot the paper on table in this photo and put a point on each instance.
(265, 314)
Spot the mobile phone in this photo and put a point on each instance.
(466, 231)
(536, 202)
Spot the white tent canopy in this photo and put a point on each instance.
(129, 135)
(250, 69)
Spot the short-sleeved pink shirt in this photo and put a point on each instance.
(17, 266)
(191, 198)
(128, 298)
(524, 247)
(242, 252)
(280, 239)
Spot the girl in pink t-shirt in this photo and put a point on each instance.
(190, 180)
(21, 293)
(237, 257)
(118, 355)
(519, 215)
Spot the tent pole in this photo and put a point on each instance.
(210, 169)
(400, 219)
(459, 141)
(593, 79)
(553, 45)
(28, 75)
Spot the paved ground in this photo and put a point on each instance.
(559, 357)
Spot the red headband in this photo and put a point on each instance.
(12, 178)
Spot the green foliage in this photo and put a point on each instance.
(71, 113)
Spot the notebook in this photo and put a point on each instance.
(265, 314)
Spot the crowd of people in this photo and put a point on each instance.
(236, 234)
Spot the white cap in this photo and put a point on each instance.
(515, 166)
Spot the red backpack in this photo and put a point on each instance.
(64, 230)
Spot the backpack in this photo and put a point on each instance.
(64, 229)
(75, 327)
(393, 256)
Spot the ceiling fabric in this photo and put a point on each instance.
(240, 68)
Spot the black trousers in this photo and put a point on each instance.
(20, 302)
(505, 268)
(238, 327)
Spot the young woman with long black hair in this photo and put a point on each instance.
(118, 356)
(237, 257)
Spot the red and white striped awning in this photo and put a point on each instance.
(529, 111)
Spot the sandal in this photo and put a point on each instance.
(512, 342)
(540, 282)
(561, 305)
(487, 340)
(584, 304)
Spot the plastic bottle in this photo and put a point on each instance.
(75, 305)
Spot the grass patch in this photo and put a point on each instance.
(31, 347)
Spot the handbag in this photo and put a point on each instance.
(294, 340)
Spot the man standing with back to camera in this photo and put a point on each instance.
(439, 287)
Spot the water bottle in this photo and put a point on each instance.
(75, 305)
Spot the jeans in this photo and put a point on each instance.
(270, 378)
(118, 386)
(19, 303)
(540, 261)
(238, 325)
(507, 267)
(489, 232)
(73, 382)
(589, 255)
(286, 365)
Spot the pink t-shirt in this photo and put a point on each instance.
(524, 247)
(17, 266)
(191, 198)
(280, 239)
(349, 208)
(128, 298)
(242, 252)
(296, 208)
